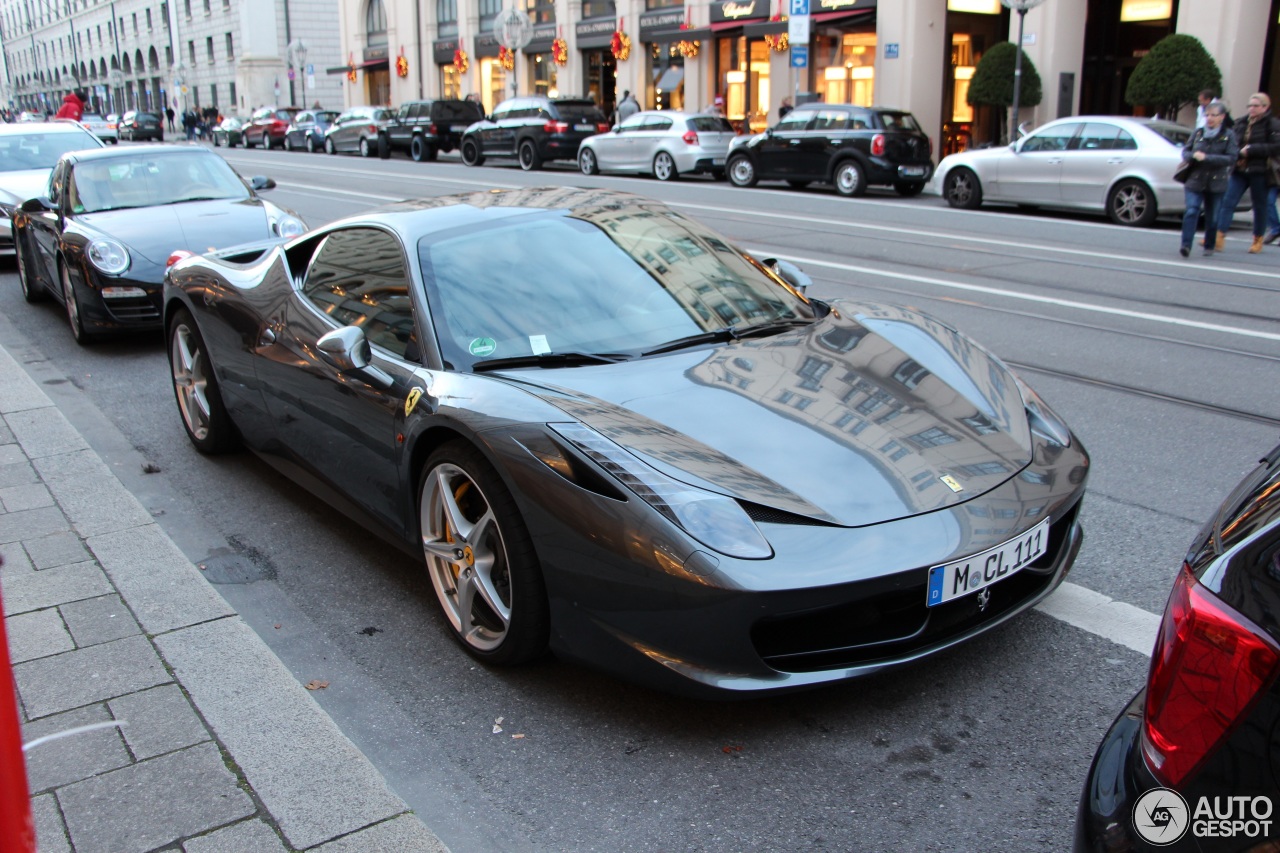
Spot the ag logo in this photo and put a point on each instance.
(1161, 816)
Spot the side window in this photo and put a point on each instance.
(632, 123)
(1125, 142)
(500, 114)
(794, 121)
(860, 121)
(830, 120)
(657, 123)
(1053, 139)
(358, 278)
(57, 179)
(1097, 137)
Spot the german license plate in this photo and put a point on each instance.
(584, 127)
(962, 577)
(912, 171)
(458, 128)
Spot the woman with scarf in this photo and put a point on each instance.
(1258, 135)
(1212, 149)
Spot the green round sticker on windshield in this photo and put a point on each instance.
(482, 346)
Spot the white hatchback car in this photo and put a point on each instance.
(103, 128)
(665, 144)
(1119, 165)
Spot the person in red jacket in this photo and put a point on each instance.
(72, 106)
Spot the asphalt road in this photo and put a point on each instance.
(1165, 367)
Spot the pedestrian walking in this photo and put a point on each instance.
(169, 114)
(1258, 135)
(72, 106)
(1213, 150)
(627, 107)
(785, 107)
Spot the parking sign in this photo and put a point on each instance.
(799, 7)
(799, 56)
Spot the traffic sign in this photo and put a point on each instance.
(799, 56)
(798, 29)
(799, 7)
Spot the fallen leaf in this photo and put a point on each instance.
(316, 684)
(731, 748)
(277, 627)
(517, 737)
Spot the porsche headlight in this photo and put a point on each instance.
(715, 520)
(108, 256)
(289, 226)
(1044, 421)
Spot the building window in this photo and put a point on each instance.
(910, 373)
(208, 9)
(208, 47)
(231, 49)
(541, 11)
(213, 93)
(447, 17)
(191, 51)
(164, 14)
(599, 9)
(933, 437)
(489, 10)
(233, 96)
(168, 55)
(375, 22)
(187, 5)
(148, 20)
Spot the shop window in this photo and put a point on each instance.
(543, 73)
(541, 11)
(845, 66)
(493, 82)
(450, 81)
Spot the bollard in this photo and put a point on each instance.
(17, 832)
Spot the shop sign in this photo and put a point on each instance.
(738, 10)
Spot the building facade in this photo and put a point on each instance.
(915, 54)
(185, 54)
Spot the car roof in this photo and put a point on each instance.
(27, 127)
(126, 153)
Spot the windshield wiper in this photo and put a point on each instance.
(549, 359)
(728, 333)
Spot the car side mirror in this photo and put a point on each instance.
(40, 204)
(348, 350)
(262, 182)
(790, 273)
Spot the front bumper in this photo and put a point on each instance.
(102, 312)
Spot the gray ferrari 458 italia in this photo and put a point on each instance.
(609, 432)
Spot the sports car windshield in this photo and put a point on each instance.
(37, 150)
(620, 283)
(152, 178)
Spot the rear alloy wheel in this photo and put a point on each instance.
(365, 149)
(742, 172)
(1132, 203)
(471, 155)
(480, 558)
(329, 147)
(266, 141)
(849, 179)
(204, 416)
(587, 162)
(907, 189)
(72, 304)
(32, 291)
(664, 167)
(962, 189)
(529, 158)
(311, 144)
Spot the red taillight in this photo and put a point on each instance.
(603, 127)
(373, 128)
(877, 145)
(178, 255)
(690, 137)
(1209, 667)
(432, 130)
(555, 127)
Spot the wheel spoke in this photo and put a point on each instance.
(453, 515)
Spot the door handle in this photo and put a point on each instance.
(1115, 161)
(1054, 161)
(793, 141)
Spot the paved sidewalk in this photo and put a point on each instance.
(219, 747)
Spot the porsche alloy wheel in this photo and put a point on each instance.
(32, 291)
(664, 167)
(203, 415)
(72, 304)
(480, 558)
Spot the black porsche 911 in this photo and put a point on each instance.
(1191, 764)
(610, 432)
(101, 235)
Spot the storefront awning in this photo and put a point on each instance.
(766, 28)
(371, 65)
(843, 17)
(670, 79)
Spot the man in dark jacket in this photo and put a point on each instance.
(1258, 135)
(72, 106)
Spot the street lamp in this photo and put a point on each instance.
(1021, 7)
(298, 52)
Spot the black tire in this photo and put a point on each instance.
(288, 142)
(311, 144)
(850, 179)
(741, 171)
(329, 147)
(962, 189)
(244, 138)
(798, 185)
(719, 175)
(366, 150)
(266, 141)
(418, 149)
(907, 189)
(505, 621)
(71, 304)
(115, 141)
(383, 147)
(587, 163)
(530, 159)
(471, 155)
(1131, 202)
(195, 388)
(32, 291)
(664, 167)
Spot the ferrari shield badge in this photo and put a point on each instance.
(412, 400)
(951, 483)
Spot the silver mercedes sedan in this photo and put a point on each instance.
(663, 143)
(1120, 165)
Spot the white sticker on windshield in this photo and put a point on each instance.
(538, 343)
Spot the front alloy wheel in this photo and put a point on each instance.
(587, 162)
(72, 304)
(1132, 203)
(961, 189)
(471, 155)
(32, 291)
(266, 141)
(480, 558)
(529, 158)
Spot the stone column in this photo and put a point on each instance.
(913, 80)
(1053, 38)
(1235, 35)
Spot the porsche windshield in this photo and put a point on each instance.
(152, 178)
(622, 280)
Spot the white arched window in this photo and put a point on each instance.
(375, 23)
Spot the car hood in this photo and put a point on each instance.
(17, 187)
(872, 414)
(197, 226)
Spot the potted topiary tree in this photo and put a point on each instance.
(1171, 75)
(992, 83)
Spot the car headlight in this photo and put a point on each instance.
(108, 256)
(289, 226)
(1044, 421)
(717, 521)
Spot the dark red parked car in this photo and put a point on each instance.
(267, 126)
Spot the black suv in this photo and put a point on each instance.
(425, 128)
(534, 129)
(850, 147)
